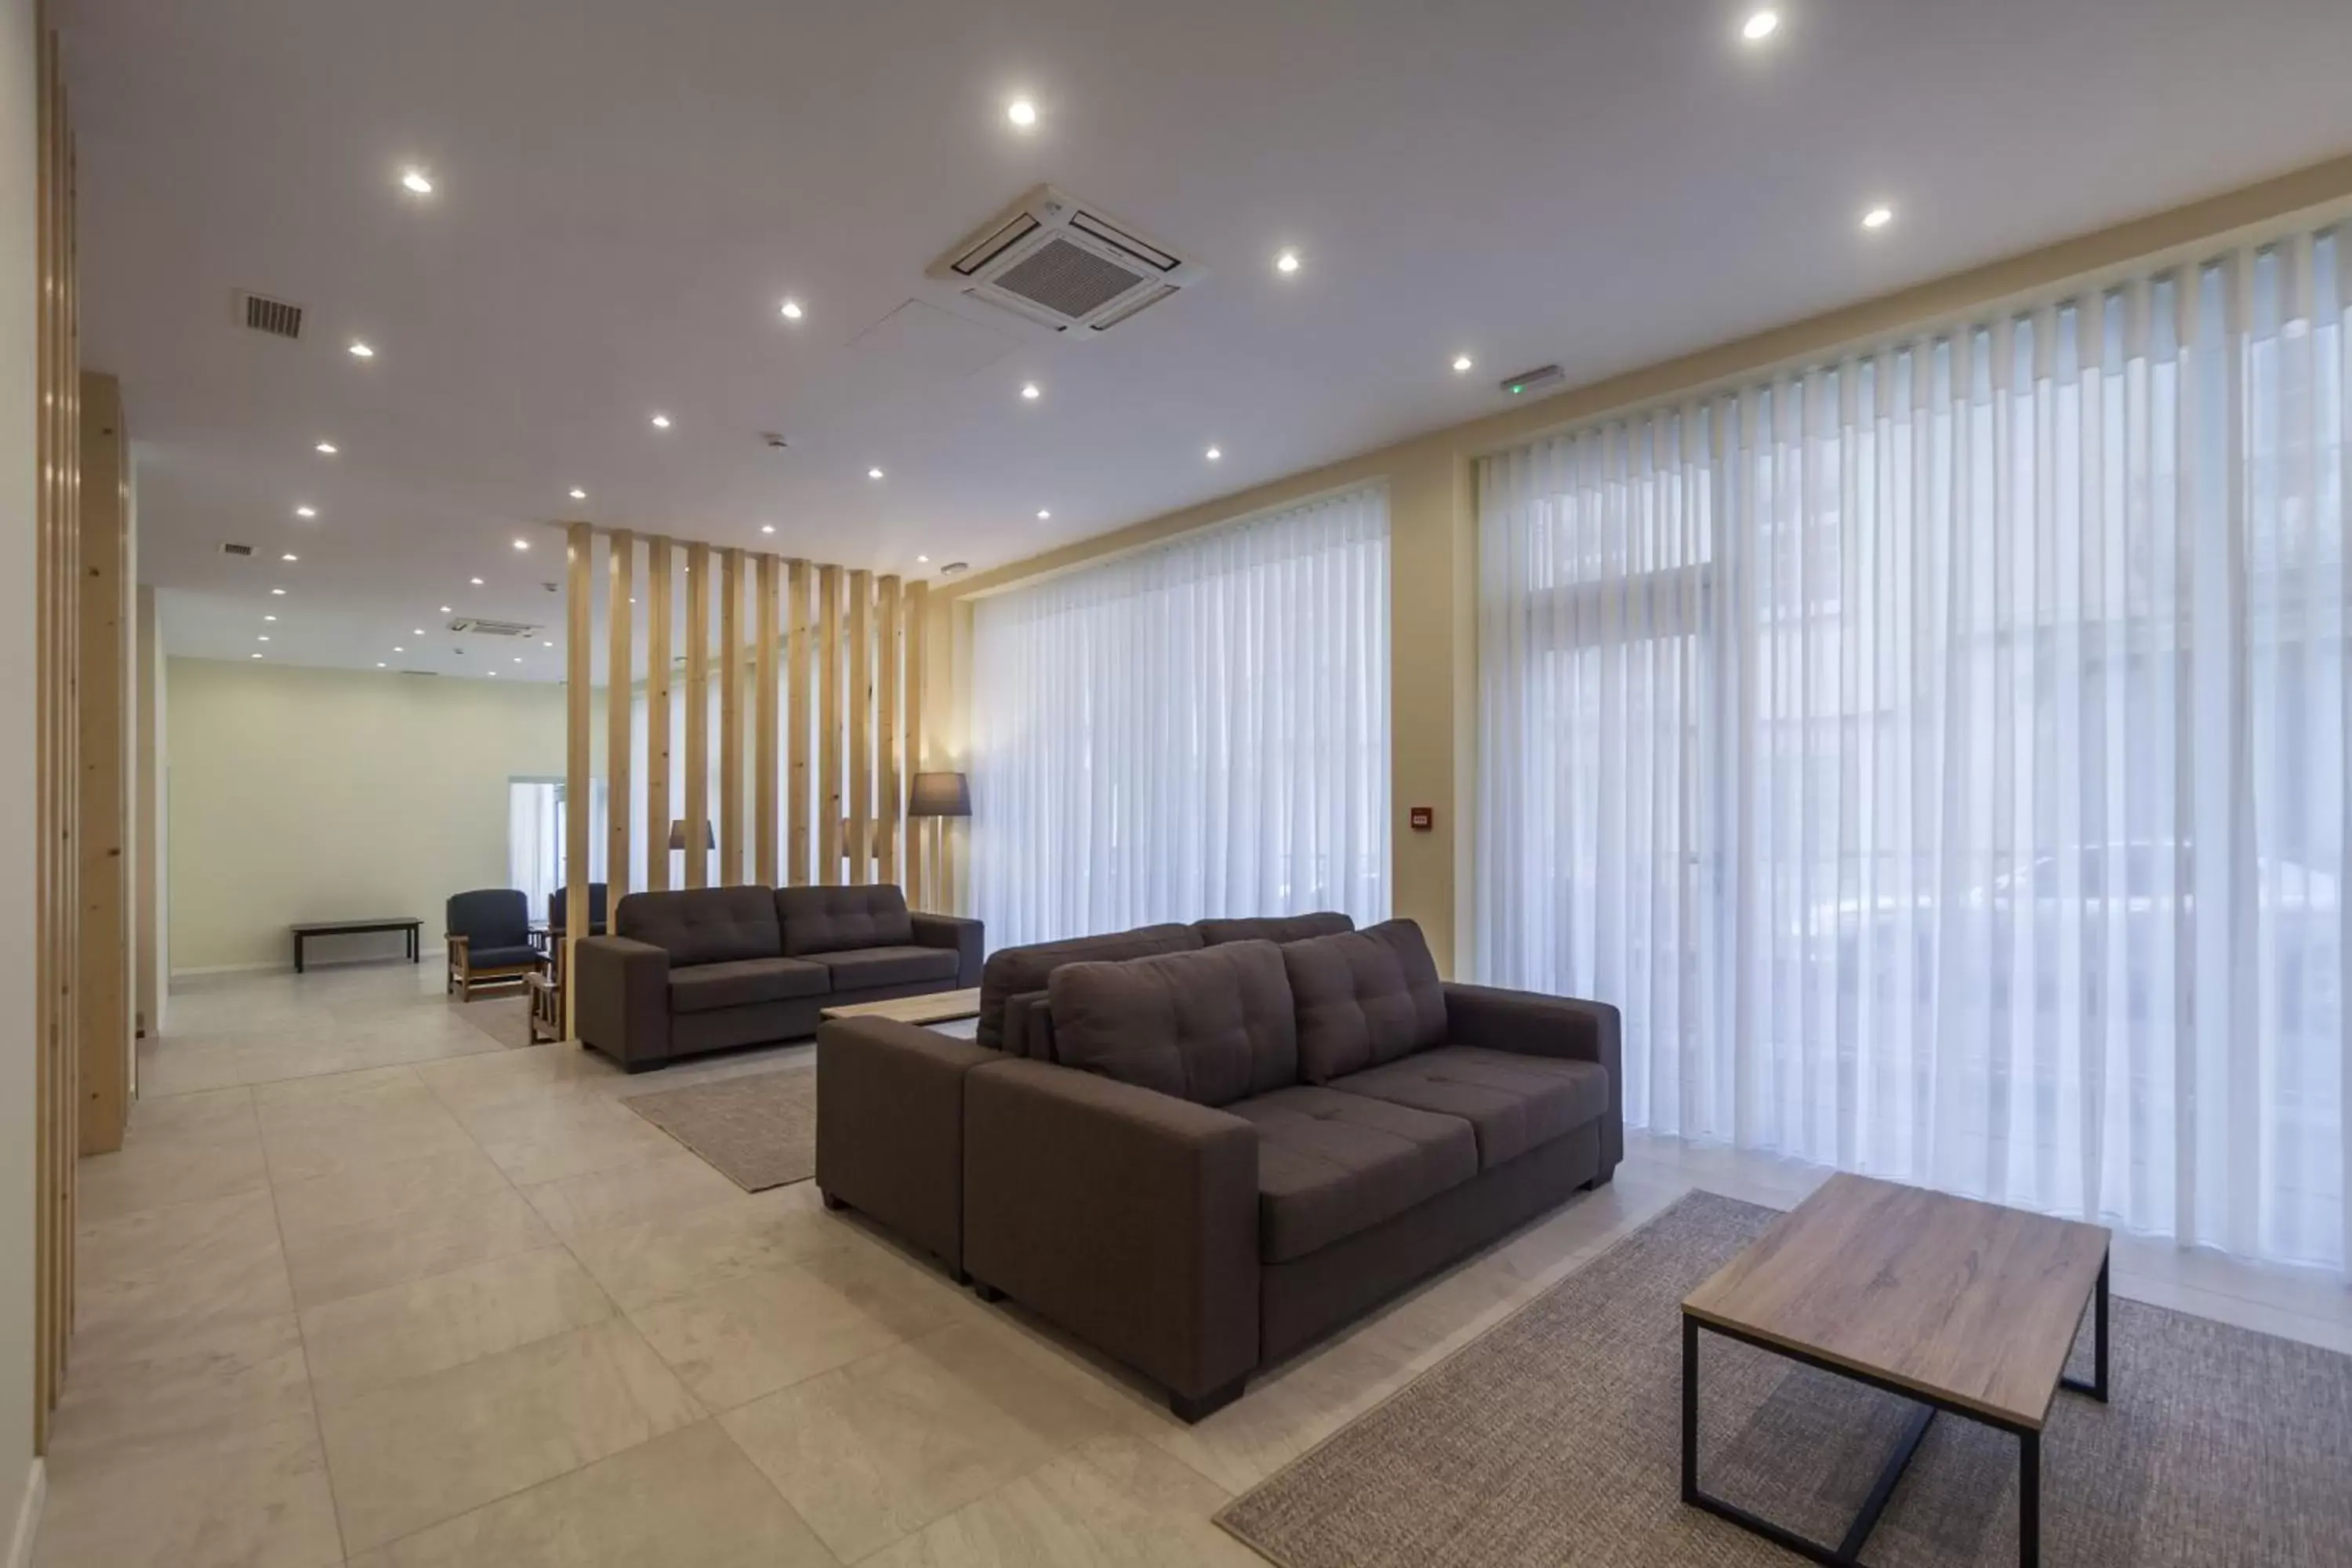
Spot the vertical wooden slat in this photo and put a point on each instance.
(659, 555)
(861, 726)
(620, 677)
(51, 1238)
(579, 584)
(889, 802)
(918, 856)
(828, 725)
(730, 717)
(103, 806)
(797, 723)
(764, 719)
(697, 811)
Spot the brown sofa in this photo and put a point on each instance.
(891, 1125)
(710, 968)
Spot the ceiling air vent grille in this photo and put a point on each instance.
(493, 628)
(242, 551)
(1056, 261)
(275, 317)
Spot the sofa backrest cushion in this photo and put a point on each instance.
(1010, 970)
(703, 925)
(1211, 1026)
(828, 919)
(1274, 928)
(1364, 998)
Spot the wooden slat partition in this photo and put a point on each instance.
(797, 635)
(764, 722)
(104, 739)
(828, 725)
(730, 720)
(918, 855)
(577, 788)
(696, 806)
(861, 726)
(620, 654)
(890, 802)
(658, 555)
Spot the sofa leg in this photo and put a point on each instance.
(1190, 1408)
(1600, 1180)
(831, 1202)
(987, 1292)
(960, 1277)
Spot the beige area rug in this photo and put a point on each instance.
(506, 1019)
(1555, 1438)
(758, 1131)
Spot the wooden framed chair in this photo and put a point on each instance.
(489, 942)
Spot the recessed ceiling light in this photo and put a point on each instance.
(476, 581)
(306, 512)
(1214, 453)
(1461, 363)
(1029, 390)
(263, 637)
(767, 528)
(792, 312)
(1760, 25)
(418, 180)
(1878, 217)
(400, 650)
(1043, 514)
(1020, 111)
(522, 544)
(416, 631)
(873, 473)
(289, 555)
(1287, 263)
(445, 610)
(518, 659)
(922, 560)
(269, 618)
(361, 351)
(491, 673)
(579, 494)
(380, 663)
(325, 449)
(279, 591)
(661, 421)
(257, 655)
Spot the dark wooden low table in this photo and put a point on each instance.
(309, 929)
(1959, 1306)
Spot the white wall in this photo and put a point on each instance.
(304, 795)
(19, 153)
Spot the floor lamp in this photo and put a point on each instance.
(678, 846)
(937, 796)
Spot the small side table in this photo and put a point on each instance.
(546, 1009)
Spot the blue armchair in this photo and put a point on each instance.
(490, 940)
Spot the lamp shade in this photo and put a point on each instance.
(677, 834)
(939, 794)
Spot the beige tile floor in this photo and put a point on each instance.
(366, 1286)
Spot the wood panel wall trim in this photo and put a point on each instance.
(696, 805)
(578, 786)
(765, 782)
(103, 715)
(889, 798)
(919, 854)
(730, 718)
(660, 554)
(861, 727)
(620, 657)
(797, 637)
(828, 726)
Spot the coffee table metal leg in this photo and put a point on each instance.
(1690, 1409)
(2029, 1499)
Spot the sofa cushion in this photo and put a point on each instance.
(1512, 1102)
(828, 919)
(744, 982)
(1211, 1026)
(1364, 998)
(864, 968)
(1011, 970)
(1331, 1164)
(703, 925)
(1274, 928)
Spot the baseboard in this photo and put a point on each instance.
(285, 964)
(28, 1517)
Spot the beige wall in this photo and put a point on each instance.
(19, 553)
(1433, 626)
(301, 795)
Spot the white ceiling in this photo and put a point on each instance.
(627, 191)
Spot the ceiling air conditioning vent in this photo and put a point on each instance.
(242, 551)
(493, 628)
(276, 317)
(1062, 263)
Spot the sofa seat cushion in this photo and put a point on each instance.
(1331, 1164)
(1364, 998)
(1512, 1102)
(869, 968)
(1213, 1026)
(745, 982)
(823, 918)
(481, 957)
(703, 925)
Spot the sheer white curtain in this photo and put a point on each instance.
(535, 809)
(1194, 730)
(1940, 754)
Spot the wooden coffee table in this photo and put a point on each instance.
(1958, 1306)
(938, 1007)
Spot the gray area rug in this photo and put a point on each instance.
(758, 1131)
(1555, 1438)
(506, 1019)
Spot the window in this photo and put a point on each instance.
(535, 830)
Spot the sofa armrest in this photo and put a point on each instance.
(961, 936)
(1029, 1027)
(624, 999)
(890, 1127)
(1128, 1217)
(1530, 1024)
